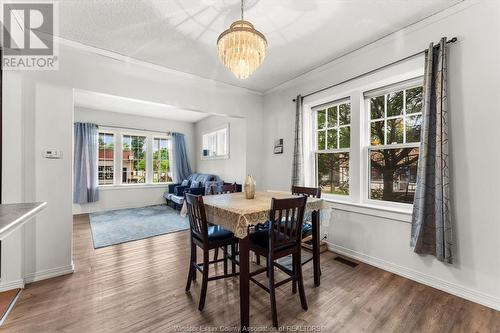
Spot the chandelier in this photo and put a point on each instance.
(242, 48)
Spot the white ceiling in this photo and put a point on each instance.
(104, 102)
(181, 34)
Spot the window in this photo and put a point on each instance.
(395, 124)
(215, 144)
(134, 159)
(106, 160)
(161, 160)
(332, 143)
(145, 157)
(361, 144)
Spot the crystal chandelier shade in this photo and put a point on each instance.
(242, 48)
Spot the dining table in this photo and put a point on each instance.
(235, 213)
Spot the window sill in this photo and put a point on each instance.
(132, 186)
(392, 213)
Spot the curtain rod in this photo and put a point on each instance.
(453, 40)
(135, 129)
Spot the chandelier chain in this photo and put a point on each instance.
(242, 10)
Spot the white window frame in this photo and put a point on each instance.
(148, 157)
(315, 151)
(359, 169)
(118, 156)
(99, 132)
(397, 86)
(214, 131)
(169, 147)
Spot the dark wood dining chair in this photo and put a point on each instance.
(282, 238)
(225, 188)
(207, 237)
(314, 192)
(307, 228)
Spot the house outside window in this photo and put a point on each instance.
(395, 126)
(129, 157)
(134, 159)
(106, 161)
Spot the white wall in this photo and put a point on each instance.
(140, 195)
(232, 169)
(474, 81)
(38, 112)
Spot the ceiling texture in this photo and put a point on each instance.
(182, 34)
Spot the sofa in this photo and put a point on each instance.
(194, 184)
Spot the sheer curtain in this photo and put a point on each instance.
(180, 168)
(85, 163)
(431, 231)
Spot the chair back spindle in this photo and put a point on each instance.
(314, 192)
(287, 217)
(225, 189)
(197, 218)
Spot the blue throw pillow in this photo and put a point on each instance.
(195, 184)
(185, 182)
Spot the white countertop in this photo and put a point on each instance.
(12, 216)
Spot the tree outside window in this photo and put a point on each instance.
(333, 135)
(395, 126)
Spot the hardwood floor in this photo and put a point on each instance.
(139, 287)
(6, 300)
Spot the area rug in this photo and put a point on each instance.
(124, 225)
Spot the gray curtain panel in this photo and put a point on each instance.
(181, 168)
(298, 167)
(85, 163)
(431, 231)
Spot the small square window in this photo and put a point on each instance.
(332, 117)
(332, 139)
(321, 119)
(377, 107)
(395, 104)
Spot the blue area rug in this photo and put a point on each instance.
(125, 225)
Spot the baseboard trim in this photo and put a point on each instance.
(452, 288)
(49, 273)
(16, 284)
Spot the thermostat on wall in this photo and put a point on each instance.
(52, 153)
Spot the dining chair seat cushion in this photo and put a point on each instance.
(217, 233)
(261, 238)
(306, 228)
